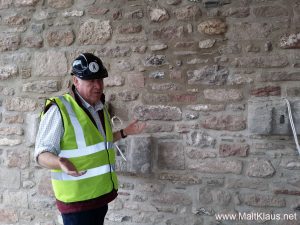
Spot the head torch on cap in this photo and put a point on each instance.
(88, 67)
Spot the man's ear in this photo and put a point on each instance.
(75, 80)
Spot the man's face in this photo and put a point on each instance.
(90, 90)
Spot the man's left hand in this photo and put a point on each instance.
(135, 127)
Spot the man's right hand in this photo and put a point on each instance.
(51, 161)
(69, 168)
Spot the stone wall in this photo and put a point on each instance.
(206, 76)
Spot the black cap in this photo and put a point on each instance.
(88, 67)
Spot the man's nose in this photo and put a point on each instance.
(98, 83)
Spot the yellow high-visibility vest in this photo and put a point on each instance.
(88, 150)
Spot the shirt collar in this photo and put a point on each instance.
(98, 106)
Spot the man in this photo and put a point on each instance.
(75, 140)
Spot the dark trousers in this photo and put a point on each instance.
(91, 217)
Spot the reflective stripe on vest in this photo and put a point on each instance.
(77, 128)
(89, 173)
(86, 150)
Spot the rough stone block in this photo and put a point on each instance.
(9, 216)
(9, 42)
(4, 4)
(151, 99)
(184, 179)
(155, 60)
(236, 12)
(9, 142)
(17, 199)
(20, 104)
(250, 183)
(184, 98)
(73, 13)
(190, 12)
(179, 220)
(58, 37)
(140, 155)
(157, 75)
(175, 74)
(26, 2)
(171, 198)
(215, 166)
(214, 181)
(50, 63)
(225, 122)
(212, 27)
(222, 95)
(128, 95)
(262, 200)
(270, 11)
(269, 61)
(163, 87)
(278, 76)
(4, 131)
(8, 118)
(266, 91)
(290, 164)
(93, 32)
(35, 41)
(160, 112)
(44, 185)
(16, 19)
(205, 195)
(293, 91)
(199, 153)
(158, 127)
(233, 150)
(208, 75)
(290, 41)
(170, 32)
(60, 4)
(41, 86)
(158, 47)
(18, 158)
(136, 80)
(124, 66)
(250, 31)
(8, 71)
(208, 43)
(150, 187)
(190, 115)
(174, 2)
(10, 178)
(199, 139)
(158, 14)
(114, 81)
(114, 52)
(130, 28)
(260, 168)
(93, 10)
(259, 117)
(222, 197)
(137, 151)
(170, 155)
(207, 108)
